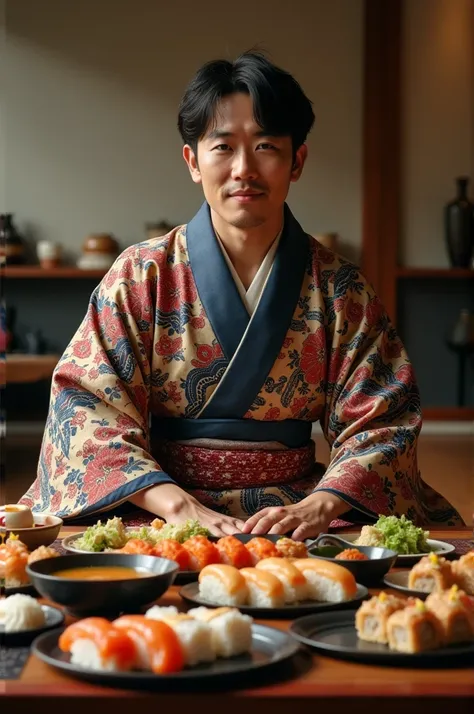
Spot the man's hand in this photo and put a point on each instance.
(307, 519)
(175, 505)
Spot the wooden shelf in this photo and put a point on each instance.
(20, 368)
(448, 414)
(456, 273)
(36, 271)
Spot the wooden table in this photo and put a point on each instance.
(329, 683)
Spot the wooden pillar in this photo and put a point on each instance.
(382, 147)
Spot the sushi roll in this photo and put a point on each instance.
(223, 585)
(260, 548)
(327, 582)
(414, 629)
(372, 617)
(233, 552)
(289, 548)
(201, 551)
(195, 638)
(21, 612)
(432, 573)
(157, 645)
(463, 572)
(294, 583)
(231, 631)
(171, 549)
(94, 643)
(264, 589)
(455, 611)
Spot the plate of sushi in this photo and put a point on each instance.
(164, 646)
(276, 587)
(14, 558)
(433, 573)
(191, 549)
(398, 534)
(396, 631)
(22, 619)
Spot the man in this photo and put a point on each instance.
(206, 355)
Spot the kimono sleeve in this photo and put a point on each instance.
(372, 416)
(95, 452)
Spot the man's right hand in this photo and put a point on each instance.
(172, 503)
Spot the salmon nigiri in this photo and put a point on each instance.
(201, 551)
(158, 646)
(95, 643)
(233, 552)
(171, 549)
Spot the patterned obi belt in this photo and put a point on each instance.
(198, 461)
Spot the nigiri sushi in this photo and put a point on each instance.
(157, 644)
(157, 612)
(171, 549)
(294, 582)
(94, 643)
(264, 588)
(223, 585)
(260, 548)
(231, 631)
(327, 582)
(136, 546)
(201, 551)
(195, 638)
(233, 552)
(14, 569)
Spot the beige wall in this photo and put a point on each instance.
(438, 126)
(92, 90)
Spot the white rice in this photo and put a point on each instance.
(259, 598)
(231, 631)
(21, 612)
(196, 640)
(161, 613)
(84, 653)
(213, 590)
(323, 589)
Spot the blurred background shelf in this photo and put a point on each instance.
(452, 273)
(36, 271)
(21, 368)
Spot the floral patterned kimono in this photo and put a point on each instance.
(173, 378)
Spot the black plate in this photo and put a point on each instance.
(190, 593)
(54, 618)
(335, 635)
(398, 580)
(270, 647)
(23, 590)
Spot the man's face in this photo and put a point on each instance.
(245, 174)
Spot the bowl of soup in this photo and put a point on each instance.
(104, 584)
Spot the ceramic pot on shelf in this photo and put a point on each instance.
(459, 227)
(99, 252)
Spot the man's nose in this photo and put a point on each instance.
(244, 166)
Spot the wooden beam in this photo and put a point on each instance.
(382, 147)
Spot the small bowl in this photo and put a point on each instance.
(367, 572)
(44, 532)
(82, 598)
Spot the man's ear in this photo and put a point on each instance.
(299, 162)
(191, 159)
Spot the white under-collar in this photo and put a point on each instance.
(251, 297)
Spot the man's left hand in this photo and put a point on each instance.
(307, 519)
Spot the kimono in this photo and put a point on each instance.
(172, 378)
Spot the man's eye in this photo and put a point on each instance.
(222, 147)
(265, 146)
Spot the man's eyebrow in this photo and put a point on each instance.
(223, 134)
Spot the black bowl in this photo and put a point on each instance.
(367, 572)
(108, 598)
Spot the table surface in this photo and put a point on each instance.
(316, 677)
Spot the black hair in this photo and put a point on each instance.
(280, 106)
